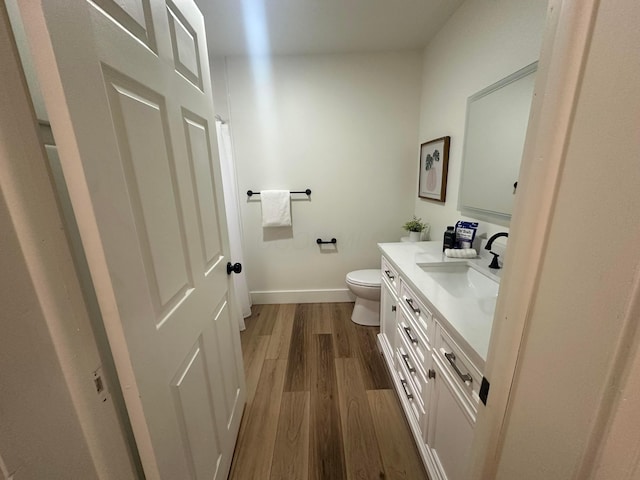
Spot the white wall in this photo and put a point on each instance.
(344, 126)
(483, 42)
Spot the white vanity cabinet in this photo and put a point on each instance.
(435, 379)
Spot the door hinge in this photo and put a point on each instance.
(98, 382)
(484, 390)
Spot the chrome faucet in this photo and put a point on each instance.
(494, 262)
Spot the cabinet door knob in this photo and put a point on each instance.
(393, 308)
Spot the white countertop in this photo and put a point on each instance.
(468, 320)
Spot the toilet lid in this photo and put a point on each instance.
(365, 277)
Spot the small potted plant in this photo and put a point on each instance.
(415, 228)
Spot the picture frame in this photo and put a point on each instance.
(434, 166)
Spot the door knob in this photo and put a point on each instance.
(235, 268)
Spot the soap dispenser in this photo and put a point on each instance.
(449, 238)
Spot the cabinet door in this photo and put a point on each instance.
(388, 321)
(450, 431)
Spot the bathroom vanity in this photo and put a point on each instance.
(436, 315)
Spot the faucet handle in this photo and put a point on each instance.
(494, 262)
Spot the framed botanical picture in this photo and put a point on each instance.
(434, 163)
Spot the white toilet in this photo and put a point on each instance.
(365, 285)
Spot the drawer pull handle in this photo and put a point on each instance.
(431, 373)
(388, 274)
(405, 359)
(412, 339)
(465, 377)
(410, 303)
(406, 392)
(393, 308)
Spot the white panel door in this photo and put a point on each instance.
(128, 89)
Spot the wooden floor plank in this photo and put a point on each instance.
(251, 323)
(326, 456)
(374, 372)
(362, 456)
(321, 318)
(305, 417)
(297, 378)
(266, 319)
(253, 354)
(280, 338)
(340, 315)
(291, 453)
(256, 445)
(399, 453)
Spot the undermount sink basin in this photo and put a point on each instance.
(461, 280)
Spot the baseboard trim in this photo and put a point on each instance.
(302, 296)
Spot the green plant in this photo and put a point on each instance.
(415, 225)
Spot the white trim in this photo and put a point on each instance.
(302, 296)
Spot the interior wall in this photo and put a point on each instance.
(583, 318)
(481, 43)
(344, 126)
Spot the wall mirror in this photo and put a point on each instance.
(497, 118)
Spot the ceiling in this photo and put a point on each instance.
(285, 27)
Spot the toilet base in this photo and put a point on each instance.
(366, 312)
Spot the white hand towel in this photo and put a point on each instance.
(460, 252)
(276, 208)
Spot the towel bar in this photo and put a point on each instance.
(307, 191)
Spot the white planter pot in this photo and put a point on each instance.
(414, 236)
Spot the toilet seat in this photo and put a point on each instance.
(365, 278)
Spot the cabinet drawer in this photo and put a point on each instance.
(414, 343)
(418, 312)
(414, 369)
(408, 390)
(459, 367)
(390, 275)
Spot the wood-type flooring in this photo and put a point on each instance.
(320, 404)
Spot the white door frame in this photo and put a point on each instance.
(565, 49)
(560, 68)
